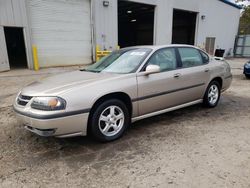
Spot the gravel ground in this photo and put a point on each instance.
(192, 147)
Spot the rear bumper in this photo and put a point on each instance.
(68, 126)
(227, 82)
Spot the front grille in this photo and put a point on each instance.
(23, 100)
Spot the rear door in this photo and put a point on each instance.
(4, 61)
(194, 73)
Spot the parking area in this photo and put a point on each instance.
(191, 147)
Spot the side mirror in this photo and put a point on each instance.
(151, 69)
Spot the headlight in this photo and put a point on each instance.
(247, 65)
(48, 103)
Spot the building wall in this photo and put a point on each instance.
(105, 24)
(13, 13)
(221, 22)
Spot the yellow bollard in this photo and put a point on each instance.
(35, 58)
(97, 49)
(100, 53)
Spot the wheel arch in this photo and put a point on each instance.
(124, 97)
(219, 80)
(205, 96)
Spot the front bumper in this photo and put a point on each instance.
(74, 124)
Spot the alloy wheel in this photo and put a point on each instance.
(111, 121)
(213, 94)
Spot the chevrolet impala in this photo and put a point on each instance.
(128, 85)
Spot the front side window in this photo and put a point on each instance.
(190, 57)
(122, 61)
(165, 59)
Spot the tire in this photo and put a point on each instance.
(109, 120)
(212, 95)
(247, 76)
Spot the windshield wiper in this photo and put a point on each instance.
(95, 71)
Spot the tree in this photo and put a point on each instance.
(244, 27)
(242, 2)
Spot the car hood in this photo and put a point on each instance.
(61, 83)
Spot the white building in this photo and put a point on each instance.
(66, 32)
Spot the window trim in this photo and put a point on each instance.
(178, 63)
(204, 62)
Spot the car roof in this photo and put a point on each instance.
(156, 47)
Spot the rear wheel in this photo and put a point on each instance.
(212, 95)
(247, 76)
(109, 120)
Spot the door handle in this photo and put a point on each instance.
(177, 75)
(207, 70)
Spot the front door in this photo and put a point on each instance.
(160, 90)
(4, 62)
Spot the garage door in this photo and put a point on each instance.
(61, 30)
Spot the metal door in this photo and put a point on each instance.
(242, 46)
(4, 61)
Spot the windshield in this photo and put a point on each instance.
(121, 61)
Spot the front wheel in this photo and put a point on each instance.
(109, 120)
(212, 95)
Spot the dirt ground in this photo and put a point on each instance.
(192, 147)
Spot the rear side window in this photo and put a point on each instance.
(190, 57)
(205, 57)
